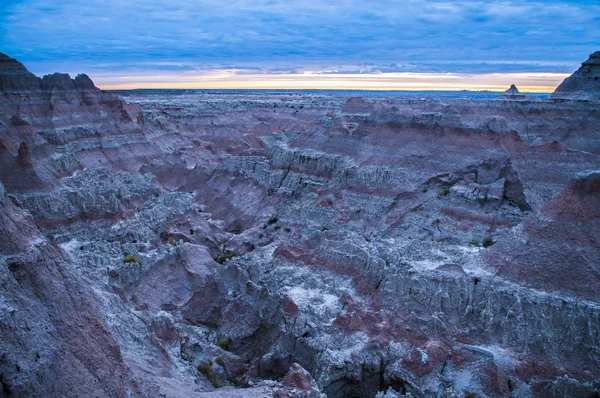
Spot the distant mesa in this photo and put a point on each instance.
(584, 83)
(512, 93)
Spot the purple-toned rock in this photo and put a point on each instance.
(558, 249)
(196, 243)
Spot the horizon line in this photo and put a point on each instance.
(531, 82)
(321, 89)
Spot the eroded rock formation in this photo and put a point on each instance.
(584, 83)
(512, 93)
(282, 244)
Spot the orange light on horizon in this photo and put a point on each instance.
(526, 82)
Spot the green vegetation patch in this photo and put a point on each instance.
(132, 259)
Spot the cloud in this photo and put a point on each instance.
(277, 35)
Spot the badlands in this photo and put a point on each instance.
(173, 243)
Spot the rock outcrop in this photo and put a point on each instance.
(584, 84)
(286, 244)
(540, 252)
(65, 125)
(512, 93)
(53, 338)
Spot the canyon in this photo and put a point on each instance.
(190, 243)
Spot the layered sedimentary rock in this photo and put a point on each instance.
(285, 244)
(54, 342)
(584, 83)
(57, 125)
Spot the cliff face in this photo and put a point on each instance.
(349, 246)
(53, 339)
(57, 125)
(584, 83)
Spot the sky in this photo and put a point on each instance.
(346, 44)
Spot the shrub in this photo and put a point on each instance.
(487, 241)
(209, 374)
(171, 240)
(224, 343)
(324, 228)
(277, 227)
(132, 259)
(226, 256)
(219, 361)
(445, 192)
(287, 229)
(474, 242)
(272, 220)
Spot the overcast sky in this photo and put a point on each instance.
(179, 42)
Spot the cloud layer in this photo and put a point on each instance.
(146, 37)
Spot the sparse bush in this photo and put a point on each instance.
(277, 227)
(487, 241)
(209, 374)
(324, 228)
(474, 242)
(329, 201)
(272, 220)
(226, 256)
(171, 241)
(132, 259)
(445, 192)
(287, 229)
(219, 361)
(224, 343)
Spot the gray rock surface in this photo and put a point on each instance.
(295, 244)
(584, 83)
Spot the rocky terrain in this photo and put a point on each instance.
(290, 244)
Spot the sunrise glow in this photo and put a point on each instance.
(529, 82)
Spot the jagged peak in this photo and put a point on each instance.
(593, 60)
(512, 93)
(10, 65)
(84, 81)
(584, 83)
